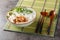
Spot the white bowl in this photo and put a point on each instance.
(25, 24)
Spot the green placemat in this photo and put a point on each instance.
(37, 7)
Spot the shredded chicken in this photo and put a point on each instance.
(20, 19)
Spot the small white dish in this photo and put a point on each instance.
(29, 16)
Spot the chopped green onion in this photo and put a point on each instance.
(10, 13)
(23, 9)
(7, 16)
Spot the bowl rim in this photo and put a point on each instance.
(25, 22)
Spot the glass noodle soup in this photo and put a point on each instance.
(20, 15)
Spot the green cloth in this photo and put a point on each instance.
(37, 7)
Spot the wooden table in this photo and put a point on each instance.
(5, 6)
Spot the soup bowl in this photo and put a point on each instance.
(21, 16)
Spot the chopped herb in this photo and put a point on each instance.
(22, 9)
(18, 9)
(7, 16)
(10, 13)
(29, 11)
